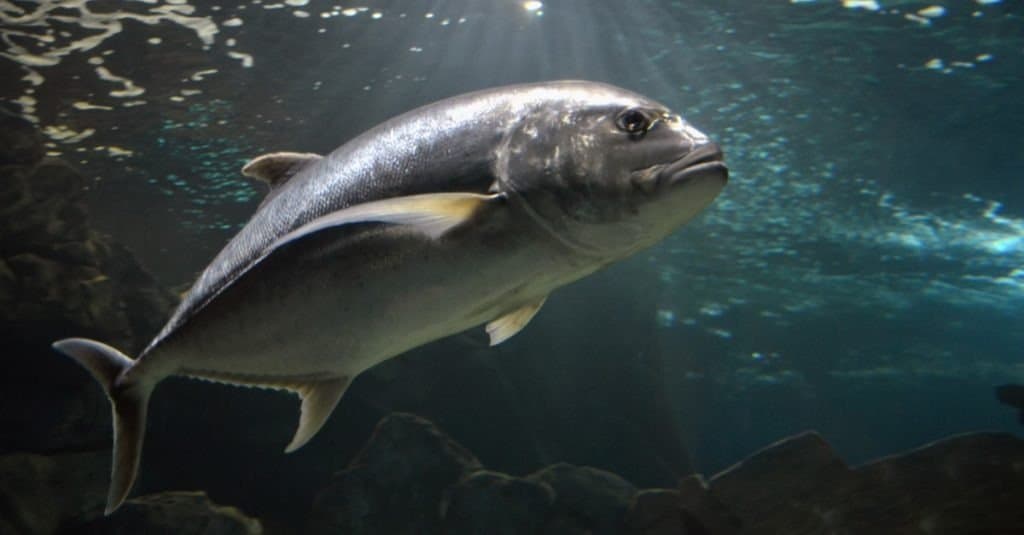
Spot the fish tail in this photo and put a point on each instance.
(128, 399)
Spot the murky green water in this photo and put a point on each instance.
(862, 274)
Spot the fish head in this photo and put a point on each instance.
(610, 171)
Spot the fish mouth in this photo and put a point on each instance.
(705, 161)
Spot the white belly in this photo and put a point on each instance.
(320, 313)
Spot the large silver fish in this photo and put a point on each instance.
(464, 212)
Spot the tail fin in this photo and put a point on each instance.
(128, 400)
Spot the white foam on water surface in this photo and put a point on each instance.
(30, 39)
(870, 5)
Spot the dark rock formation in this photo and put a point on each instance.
(57, 274)
(593, 500)
(965, 484)
(49, 494)
(174, 513)
(800, 469)
(40, 494)
(668, 512)
(494, 503)
(20, 142)
(971, 483)
(411, 467)
(59, 277)
(657, 512)
(1012, 395)
(396, 484)
(703, 512)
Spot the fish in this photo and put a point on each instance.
(466, 212)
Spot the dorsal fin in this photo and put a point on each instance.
(277, 167)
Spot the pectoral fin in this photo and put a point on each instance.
(277, 167)
(432, 214)
(318, 402)
(508, 325)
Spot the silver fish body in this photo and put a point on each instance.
(362, 295)
(464, 212)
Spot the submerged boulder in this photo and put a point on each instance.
(411, 478)
(1013, 396)
(396, 483)
(488, 502)
(657, 512)
(786, 480)
(972, 483)
(965, 484)
(174, 513)
(593, 500)
(704, 512)
(59, 277)
(20, 141)
(41, 494)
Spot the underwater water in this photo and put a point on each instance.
(861, 275)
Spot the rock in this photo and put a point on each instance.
(596, 499)
(657, 512)
(54, 414)
(7, 282)
(36, 198)
(564, 523)
(494, 503)
(708, 513)
(396, 483)
(20, 141)
(145, 302)
(1012, 395)
(54, 178)
(37, 275)
(59, 277)
(966, 484)
(780, 481)
(972, 483)
(67, 278)
(41, 494)
(13, 189)
(174, 513)
(75, 252)
(662, 512)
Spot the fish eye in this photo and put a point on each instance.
(633, 122)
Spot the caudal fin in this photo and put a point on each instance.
(128, 401)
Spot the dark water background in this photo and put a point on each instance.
(862, 274)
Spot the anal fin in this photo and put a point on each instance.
(318, 402)
(508, 325)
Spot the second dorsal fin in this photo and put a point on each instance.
(276, 168)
